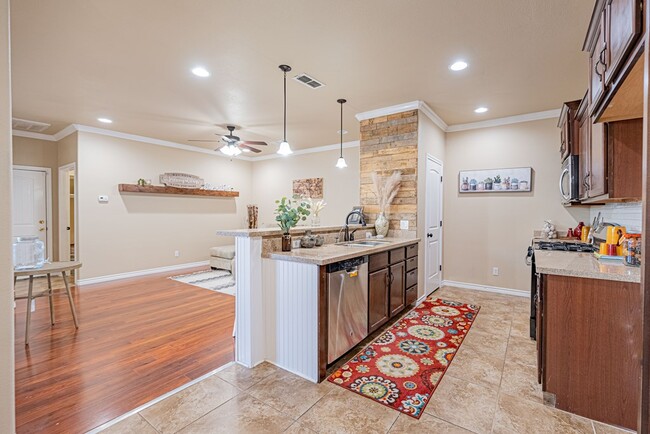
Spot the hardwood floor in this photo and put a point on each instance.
(137, 339)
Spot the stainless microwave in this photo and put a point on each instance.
(569, 186)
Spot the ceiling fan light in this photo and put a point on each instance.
(230, 150)
(341, 164)
(285, 149)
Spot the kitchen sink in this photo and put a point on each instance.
(366, 243)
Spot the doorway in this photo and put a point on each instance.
(32, 199)
(433, 221)
(67, 213)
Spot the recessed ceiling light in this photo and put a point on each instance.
(343, 132)
(481, 110)
(105, 120)
(200, 71)
(458, 66)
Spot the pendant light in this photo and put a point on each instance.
(341, 164)
(285, 149)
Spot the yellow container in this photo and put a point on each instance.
(603, 249)
(585, 233)
(614, 234)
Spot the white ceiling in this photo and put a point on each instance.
(76, 60)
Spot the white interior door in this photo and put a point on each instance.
(30, 204)
(433, 234)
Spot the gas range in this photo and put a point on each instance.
(564, 246)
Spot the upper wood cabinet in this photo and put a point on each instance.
(598, 173)
(623, 24)
(568, 129)
(613, 37)
(584, 145)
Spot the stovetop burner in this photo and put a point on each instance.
(564, 246)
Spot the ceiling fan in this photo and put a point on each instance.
(234, 145)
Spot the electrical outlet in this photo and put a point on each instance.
(295, 243)
(33, 306)
(102, 198)
(495, 271)
(404, 225)
(177, 253)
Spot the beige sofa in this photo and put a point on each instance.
(223, 258)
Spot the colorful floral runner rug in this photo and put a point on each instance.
(402, 367)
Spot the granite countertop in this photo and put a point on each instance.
(274, 232)
(330, 253)
(575, 264)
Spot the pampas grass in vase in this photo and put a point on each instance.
(385, 188)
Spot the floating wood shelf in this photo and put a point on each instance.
(158, 189)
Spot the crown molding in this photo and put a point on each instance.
(548, 114)
(399, 108)
(335, 147)
(70, 129)
(32, 135)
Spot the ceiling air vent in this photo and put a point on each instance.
(25, 125)
(308, 81)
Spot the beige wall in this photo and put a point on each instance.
(7, 407)
(273, 179)
(136, 232)
(431, 141)
(42, 153)
(486, 230)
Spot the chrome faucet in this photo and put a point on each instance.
(347, 236)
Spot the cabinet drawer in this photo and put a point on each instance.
(412, 278)
(377, 261)
(411, 264)
(411, 250)
(411, 295)
(397, 255)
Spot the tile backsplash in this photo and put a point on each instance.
(627, 214)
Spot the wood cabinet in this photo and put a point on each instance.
(397, 281)
(392, 284)
(590, 347)
(597, 176)
(623, 24)
(378, 293)
(584, 144)
(613, 37)
(568, 129)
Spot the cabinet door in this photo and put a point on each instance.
(597, 66)
(397, 288)
(539, 327)
(623, 25)
(564, 139)
(584, 134)
(597, 179)
(377, 299)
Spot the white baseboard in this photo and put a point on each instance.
(486, 288)
(139, 273)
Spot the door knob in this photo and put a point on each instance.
(41, 221)
(429, 235)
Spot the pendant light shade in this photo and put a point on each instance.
(285, 149)
(340, 163)
(230, 150)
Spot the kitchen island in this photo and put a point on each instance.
(589, 336)
(281, 306)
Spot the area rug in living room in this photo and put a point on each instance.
(402, 367)
(221, 281)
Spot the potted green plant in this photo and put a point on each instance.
(288, 213)
(514, 184)
(488, 183)
(497, 182)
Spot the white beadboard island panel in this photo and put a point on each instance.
(291, 316)
(249, 339)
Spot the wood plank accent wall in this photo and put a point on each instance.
(390, 143)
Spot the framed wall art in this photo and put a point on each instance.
(308, 188)
(511, 180)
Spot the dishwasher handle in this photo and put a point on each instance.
(346, 265)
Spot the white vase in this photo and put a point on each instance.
(381, 225)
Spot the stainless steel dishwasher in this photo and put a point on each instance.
(347, 287)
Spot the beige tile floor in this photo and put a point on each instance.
(491, 386)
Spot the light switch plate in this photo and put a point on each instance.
(404, 225)
(102, 198)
